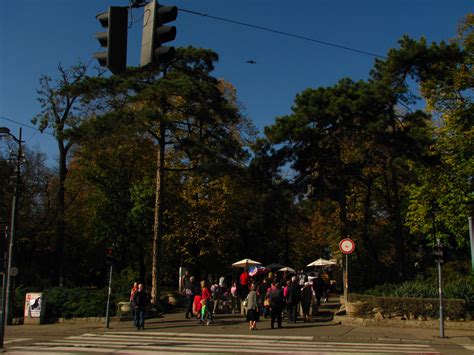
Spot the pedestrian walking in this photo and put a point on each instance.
(206, 317)
(132, 308)
(252, 308)
(140, 301)
(189, 286)
(234, 298)
(319, 288)
(261, 295)
(325, 278)
(306, 299)
(293, 299)
(276, 304)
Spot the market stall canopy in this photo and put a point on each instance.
(287, 268)
(274, 266)
(246, 263)
(322, 262)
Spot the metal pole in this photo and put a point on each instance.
(441, 317)
(471, 234)
(8, 308)
(2, 310)
(108, 298)
(346, 281)
(2, 296)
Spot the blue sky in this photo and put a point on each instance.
(36, 35)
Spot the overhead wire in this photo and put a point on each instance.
(267, 29)
(24, 125)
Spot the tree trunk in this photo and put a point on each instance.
(158, 215)
(60, 223)
(368, 245)
(341, 197)
(399, 237)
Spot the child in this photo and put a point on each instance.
(204, 317)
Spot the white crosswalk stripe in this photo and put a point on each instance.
(160, 342)
(15, 340)
(469, 347)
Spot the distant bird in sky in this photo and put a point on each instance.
(251, 61)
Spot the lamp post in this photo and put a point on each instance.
(6, 307)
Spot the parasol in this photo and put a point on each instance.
(246, 263)
(322, 262)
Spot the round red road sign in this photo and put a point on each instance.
(347, 245)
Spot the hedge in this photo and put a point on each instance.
(412, 307)
(62, 302)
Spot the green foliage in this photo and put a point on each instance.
(461, 288)
(414, 288)
(411, 306)
(454, 288)
(353, 158)
(63, 302)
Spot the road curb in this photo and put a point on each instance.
(398, 323)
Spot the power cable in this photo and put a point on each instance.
(283, 33)
(25, 125)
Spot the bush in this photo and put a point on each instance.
(455, 288)
(63, 302)
(427, 288)
(405, 306)
(461, 288)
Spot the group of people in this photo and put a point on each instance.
(202, 298)
(270, 296)
(274, 298)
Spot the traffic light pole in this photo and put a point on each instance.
(441, 316)
(440, 285)
(8, 296)
(2, 309)
(107, 316)
(471, 235)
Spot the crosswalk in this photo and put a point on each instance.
(185, 343)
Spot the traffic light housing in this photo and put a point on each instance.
(114, 40)
(155, 33)
(109, 255)
(439, 253)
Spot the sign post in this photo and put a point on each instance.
(347, 246)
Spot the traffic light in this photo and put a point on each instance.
(114, 40)
(109, 255)
(155, 33)
(438, 253)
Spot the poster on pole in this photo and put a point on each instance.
(33, 305)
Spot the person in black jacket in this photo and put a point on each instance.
(293, 298)
(140, 301)
(277, 301)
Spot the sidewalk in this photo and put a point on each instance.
(323, 328)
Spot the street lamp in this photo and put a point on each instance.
(6, 307)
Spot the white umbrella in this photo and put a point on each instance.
(287, 268)
(246, 263)
(322, 262)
